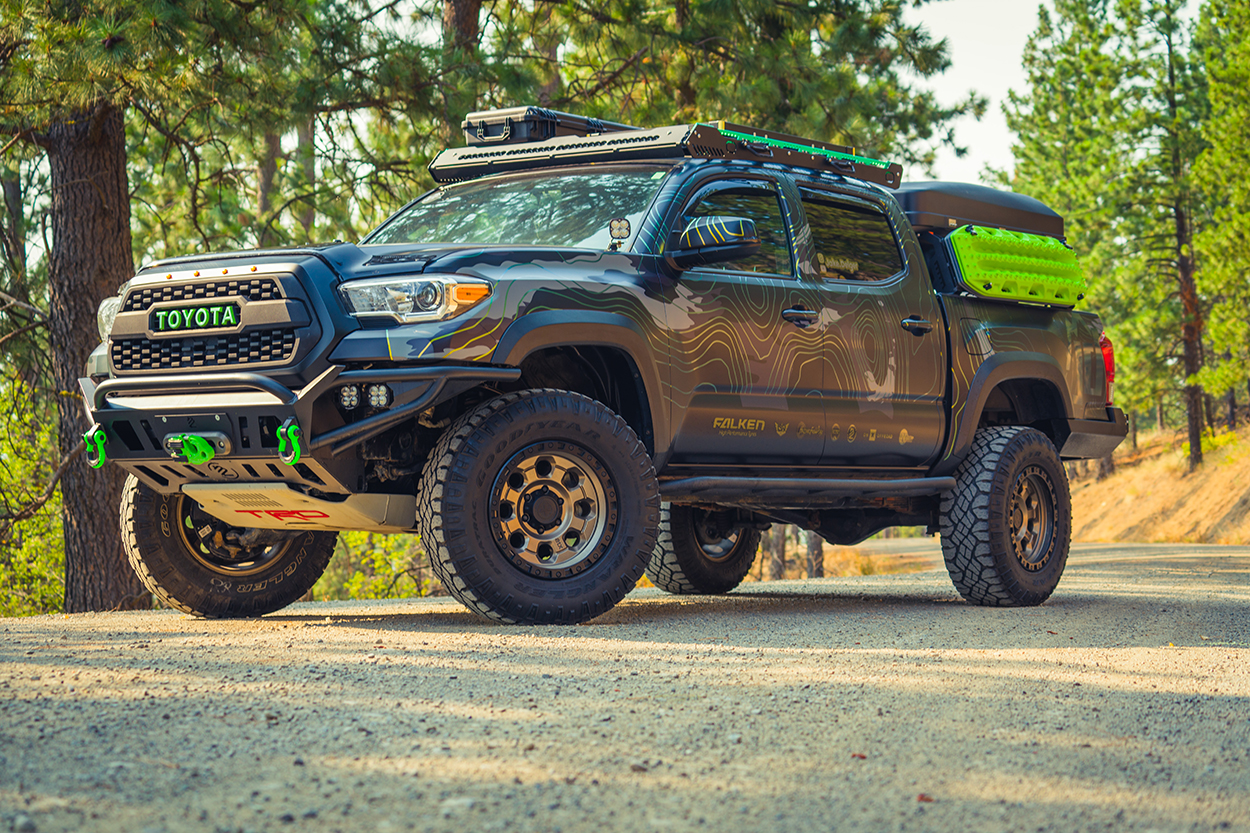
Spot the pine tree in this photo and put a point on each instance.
(829, 69)
(1106, 134)
(1224, 35)
(190, 73)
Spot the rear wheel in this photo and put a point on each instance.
(201, 565)
(701, 551)
(1007, 525)
(539, 507)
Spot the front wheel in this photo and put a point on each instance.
(539, 507)
(700, 551)
(201, 565)
(1007, 525)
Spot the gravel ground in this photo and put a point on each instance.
(872, 703)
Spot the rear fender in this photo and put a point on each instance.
(999, 368)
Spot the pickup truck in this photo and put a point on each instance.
(596, 351)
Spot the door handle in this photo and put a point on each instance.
(916, 326)
(799, 317)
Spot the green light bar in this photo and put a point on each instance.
(799, 145)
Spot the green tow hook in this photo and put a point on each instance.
(95, 438)
(290, 447)
(195, 448)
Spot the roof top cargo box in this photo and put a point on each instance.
(530, 124)
(943, 206)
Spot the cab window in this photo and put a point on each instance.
(761, 205)
(850, 242)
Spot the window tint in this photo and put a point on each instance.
(761, 206)
(851, 243)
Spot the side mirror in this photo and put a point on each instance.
(714, 240)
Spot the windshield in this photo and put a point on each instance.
(548, 209)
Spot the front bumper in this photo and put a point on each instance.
(138, 413)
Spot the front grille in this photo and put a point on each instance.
(255, 347)
(256, 289)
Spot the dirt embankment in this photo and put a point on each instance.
(1152, 498)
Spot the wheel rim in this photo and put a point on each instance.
(1031, 517)
(553, 509)
(206, 538)
(715, 545)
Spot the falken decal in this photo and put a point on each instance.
(738, 427)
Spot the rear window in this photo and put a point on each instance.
(851, 243)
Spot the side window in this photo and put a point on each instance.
(762, 206)
(850, 243)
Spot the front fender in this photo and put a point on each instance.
(561, 328)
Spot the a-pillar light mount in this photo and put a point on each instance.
(380, 395)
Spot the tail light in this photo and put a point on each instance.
(1108, 361)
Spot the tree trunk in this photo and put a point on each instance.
(777, 566)
(461, 30)
(90, 258)
(815, 555)
(266, 170)
(1159, 422)
(308, 160)
(1132, 428)
(1106, 467)
(1230, 400)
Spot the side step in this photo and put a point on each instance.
(766, 490)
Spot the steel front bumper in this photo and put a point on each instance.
(248, 411)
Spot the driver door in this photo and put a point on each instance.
(747, 356)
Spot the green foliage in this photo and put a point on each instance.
(31, 551)
(827, 69)
(1105, 133)
(1224, 36)
(369, 566)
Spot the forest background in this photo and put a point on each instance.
(137, 130)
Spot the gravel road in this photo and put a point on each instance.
(873, 703)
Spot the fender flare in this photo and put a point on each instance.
(999, 368)
(564, 328)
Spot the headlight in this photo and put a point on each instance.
(424, 298)
(106, 314)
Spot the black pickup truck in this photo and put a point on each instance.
(595, 351)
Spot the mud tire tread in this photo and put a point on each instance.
(979, 565)
(678, 567)
(469, 435)
(162, 565)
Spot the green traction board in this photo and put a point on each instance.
(1013, 266)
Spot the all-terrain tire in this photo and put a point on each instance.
(686, 560)
(1007, 525)
(196, 578)
(539, 507)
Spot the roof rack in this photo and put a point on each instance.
(523, 138)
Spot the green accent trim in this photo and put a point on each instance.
(850, 157)
(1011, 265)
(289, 446)
(196, 449)
(95, 438)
